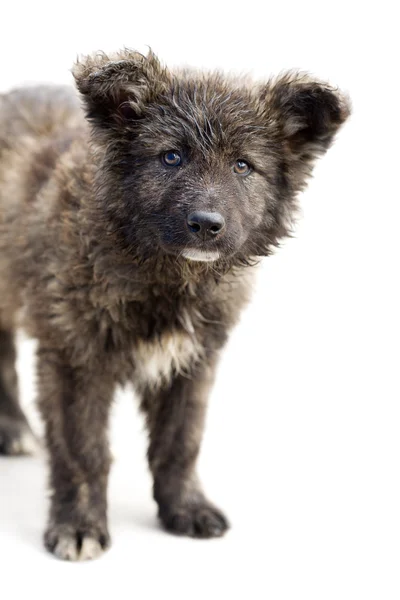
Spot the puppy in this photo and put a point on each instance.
(129, 232)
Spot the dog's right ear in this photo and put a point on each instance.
(117, 88)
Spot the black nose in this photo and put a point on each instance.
(206, 224)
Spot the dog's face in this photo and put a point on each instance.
(203, 167)
(198, 176)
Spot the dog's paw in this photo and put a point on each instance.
(200, 521)
(16, 438)
(68, 542)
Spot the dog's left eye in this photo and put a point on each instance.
(171, 158)
(241, 167)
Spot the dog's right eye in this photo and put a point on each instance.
(171, 158)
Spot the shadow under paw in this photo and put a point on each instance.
(199, 521)
(16, 438)
(69, 542)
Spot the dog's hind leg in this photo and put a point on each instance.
(16, 436)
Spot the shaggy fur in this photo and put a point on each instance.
(98, 261)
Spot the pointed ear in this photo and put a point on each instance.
(117, 88)
(308, 113)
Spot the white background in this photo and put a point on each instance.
(302, 443)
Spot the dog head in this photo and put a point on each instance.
(202, 166)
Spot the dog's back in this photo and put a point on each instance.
(36, 125)
(38, 113)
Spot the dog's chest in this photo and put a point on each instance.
(158, 360)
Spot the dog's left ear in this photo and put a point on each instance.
(117, 88)
(308, 113)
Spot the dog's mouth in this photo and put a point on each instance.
(193, 254)
(201, 252)
(177, 239)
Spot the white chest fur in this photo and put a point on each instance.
(158, 360)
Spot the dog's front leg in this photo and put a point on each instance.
(175, 417)
(75, 406)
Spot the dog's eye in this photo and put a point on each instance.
(171, 158)
(241, 167)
